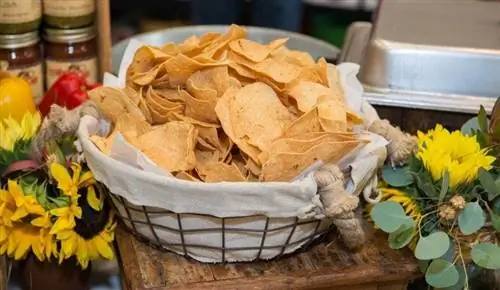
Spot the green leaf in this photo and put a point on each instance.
(428, 189)
(495, 221)
(61, 201)
(461, 279)
(471, 218)
(422, 265)
(397, 177)
(445, 183)
(450, 254)
(433, 246)
(389, 216)
(482, 120)
(441, 274)
(470, 127)
(489, 184)
(486, 255)
(402, 236)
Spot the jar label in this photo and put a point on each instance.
(86, 68)
(20, 11)
(34, 76)
(68, 8)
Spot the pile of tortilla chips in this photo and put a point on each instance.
(225, 108)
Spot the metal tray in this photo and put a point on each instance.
(434, 55)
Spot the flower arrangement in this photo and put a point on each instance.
(444, 203)
(53, 209)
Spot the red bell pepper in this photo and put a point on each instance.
(69, 91)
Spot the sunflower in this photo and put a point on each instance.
(87, 248)
(70, 184)
(459, 155)
(25, 237)
(11, 131)
(7, 207)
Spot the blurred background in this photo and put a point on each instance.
(323, 19)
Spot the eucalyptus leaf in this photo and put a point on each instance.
(441, 274)
(422, 265)
(461, 280)
(471, 218)
(495, 221)
(432, 246)
(445, 184)
(488, 182)
(470, 127)
(402, 236)
(450, 254)
(397, 177)
(486, 255)
(389, 216)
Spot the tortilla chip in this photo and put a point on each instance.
(171, 146)
(258, 115)
(284, 166)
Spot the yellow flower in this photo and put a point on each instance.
(25, 204)
(23, 238)
(7, 207)
(11, 131)
(85, 250)
(459, 155)
(42, 221)
(66, 216)
(68, 184)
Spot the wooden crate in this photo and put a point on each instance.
(327, 265)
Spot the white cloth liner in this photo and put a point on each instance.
(131, 175)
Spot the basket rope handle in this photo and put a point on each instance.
(59, 123)
(342, 206)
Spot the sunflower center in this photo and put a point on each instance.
(92, 222)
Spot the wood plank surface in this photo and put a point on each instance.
(324, 266)
(3, 273)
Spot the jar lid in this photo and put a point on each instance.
(69, 35)
(11, 41)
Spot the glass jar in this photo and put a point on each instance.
(21, 52)
(19, 16)
(68, 13)
(70, 50)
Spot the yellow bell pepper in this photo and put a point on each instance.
(16, 98)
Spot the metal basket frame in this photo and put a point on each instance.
(130, 225)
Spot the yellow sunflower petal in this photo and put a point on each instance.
(103, 248)
(62, 224)
(69, 246)
(3, 234)
(61, 175)
(94, 202)
(62, 211)
(86, 179)
(22, 249)
(3, 248)
(77, 211)
(19, 214)
(37, 248)
(77, 169)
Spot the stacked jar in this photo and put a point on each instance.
(69, 40)
(20, 53)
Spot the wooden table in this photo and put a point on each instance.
(3, 273)
(321, 267)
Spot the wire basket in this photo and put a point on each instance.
(178, 233)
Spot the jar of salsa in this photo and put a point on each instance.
(68, 13)
(19, 16)
(70, 50)
(21, 54)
